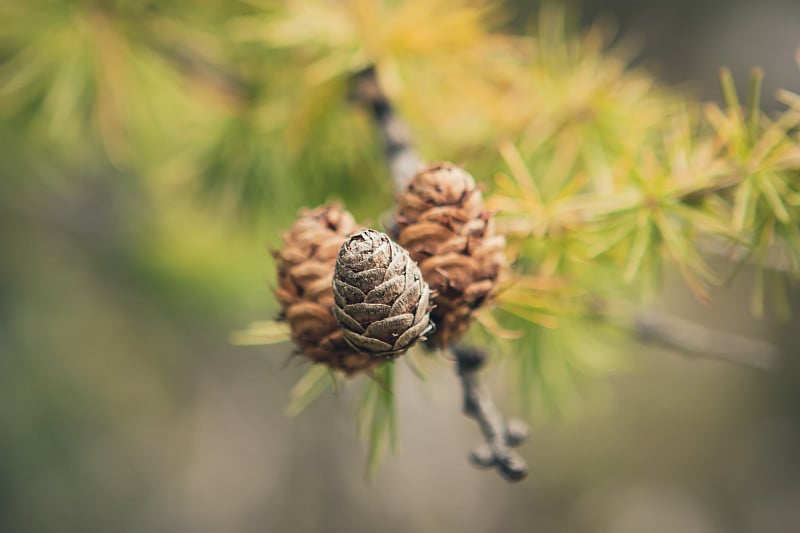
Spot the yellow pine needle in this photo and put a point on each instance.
(639, 248)
(261, 333)
(527, 185)
(769, 188)
(490, 323)
(316, 381)
(753, 103)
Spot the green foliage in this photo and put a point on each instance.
(377, 415)
(316, 381)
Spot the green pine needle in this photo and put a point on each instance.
(311, 386)
(377, 417)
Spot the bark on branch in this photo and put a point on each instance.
(401, 157)
(693, 340)
(500, 437)
(684, 337)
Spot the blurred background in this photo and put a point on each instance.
(123, 406)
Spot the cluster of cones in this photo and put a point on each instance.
(354, 298)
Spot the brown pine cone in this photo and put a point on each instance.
(381, 300)
(305, 268)
(443, 224)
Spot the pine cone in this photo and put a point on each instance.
(381, 300)
(442, 222)
(305, 268)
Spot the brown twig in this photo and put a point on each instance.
(500, 437)
(401, 157)
(684, 337)
(404, 162)
(693, 340)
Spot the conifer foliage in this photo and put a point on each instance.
(592, 175)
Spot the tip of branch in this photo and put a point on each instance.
(510, 466)
(482, 457)
(513, 468)
(516, 432)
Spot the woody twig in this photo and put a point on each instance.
(403, 162)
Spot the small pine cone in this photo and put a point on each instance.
(443, 224)
(381, 300)
(305, 269)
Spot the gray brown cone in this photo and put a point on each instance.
(442, 222)
(380, 298)
(305, 268)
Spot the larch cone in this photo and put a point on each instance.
(305, 267)
(381, 300)
(442, 222)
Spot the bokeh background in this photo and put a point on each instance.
(123, 406)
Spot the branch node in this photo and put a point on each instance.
(513, 468)
(516, 432)
(483, 457)
(500, 436)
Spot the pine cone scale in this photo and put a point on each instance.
(391, 327)
(456, 265)
(408, 299)
(387, 291)
(304, 272)
(319, 291)
(347, 321)
(306, 311)
(448, 216)
(327, 250)
(367, 344)
(365, 280)
(365, 313)
(344, 293)
(412, 334)
(478, 291)
(425, 233)
(423, 306)
(398, 269)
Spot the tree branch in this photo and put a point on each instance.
(693, 340)
(404, 162)
(776, 257)
(500, 437)
(401, 157)
(687, 338)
